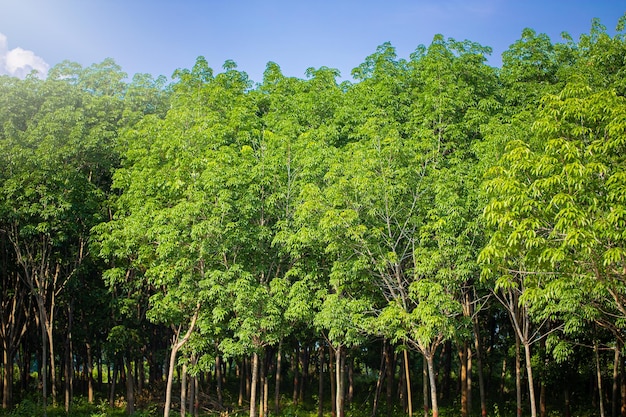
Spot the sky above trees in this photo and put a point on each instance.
(159, 36)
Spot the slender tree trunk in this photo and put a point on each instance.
(266, 384)
(408, 382)
(615, 396)
(279, 364)
(112, 383)
(340, 362)
(262, 377)
(568, 411)
(333, 381)
(253, 384)
(350, 394)
(479, 360)
(320, 387)
(599, 378)
(183, 390)
(242, 382)
(196, 400)
(218, 380)
(433, 383)
(141, 372)
(44, 360)
(425, 388)
(463, 378)
(89, 374)
(622, 381)
(296, 374)
(304, 375)
(469, 378)
(130, 388)
(518, 376)
(531, 384)
(7, 379)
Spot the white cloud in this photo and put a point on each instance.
(18, 62)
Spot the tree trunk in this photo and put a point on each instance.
(333, 381)
(408, 382)
(266, 384)
(529, 375)
(304, 375)
(7, 380)
(130, 388)
(599, 378)
(469, 378)
(112, 384)
(350, 394)
(479, 360)
(141, 372)
(262, 377)
(89, 371)
(242, 382)
(340, 362)
(615, 396)
(253, 384)
(518, 376)
(279, 364)
(43, 369)
(425, 389)
(218, 380)
(196, 399)
(320, 387)
(183, 390)
(463, 378)
(433, 383)
(296, 374)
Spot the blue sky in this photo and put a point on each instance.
(158, 36)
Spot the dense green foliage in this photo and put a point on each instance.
(215, 238)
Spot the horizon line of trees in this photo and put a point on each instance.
(438, 223)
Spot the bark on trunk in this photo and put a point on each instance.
(112, 382)
(463, 378)
(279, 364)
(531, 384)
(130, 389)
(518, 376)
(7, 380)
(599, 379)
(320, 387)
(43, 369)
(253, 384)
(218, 380)
(408, 382)
(183, 390)
(433, 384)
(479, 360)
(296, 374)
(340, 362)
(89, 374)
(333, 381)
(615, 396)
(425, 389)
